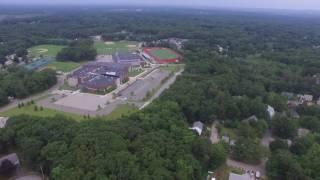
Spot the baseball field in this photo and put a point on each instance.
(109, 48)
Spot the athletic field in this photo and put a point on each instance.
(64, 66)
(162, 55)
(45, 50)
(109, 48)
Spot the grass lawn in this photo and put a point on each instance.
(172, 67)
(163, 53)
(45, 50)
(121, 110)
(135, 73)
(30, 110)
(64, 66)
(109, 49)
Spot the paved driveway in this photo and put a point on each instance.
(248, 167)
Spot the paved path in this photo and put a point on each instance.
(15, 103)
(267, 138)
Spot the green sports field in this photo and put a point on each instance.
(45, 50)
(163, 53)
(109, 48)
(64, 66)
(30, 110)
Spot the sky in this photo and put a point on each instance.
(268, 4)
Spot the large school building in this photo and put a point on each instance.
(99, 76)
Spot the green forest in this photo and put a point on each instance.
(262, 56)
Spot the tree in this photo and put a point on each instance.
(278, 102)
(283, 166)
(80, 50)
(311, 161)
(283, 127)
(302, 145)
(278, 144)
(6, 166)
(247, 150)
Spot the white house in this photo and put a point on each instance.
(3, 122)
(271, 111)
(198, 127)
(234, 176)
(318, 102)
(305, 98)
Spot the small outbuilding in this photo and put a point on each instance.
(234, 176)
(197, 127)
(3, 122)
(252, 118)
(9, 163)
(271, 111)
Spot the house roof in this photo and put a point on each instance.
(197, 126)
(3, 121)
(13, 158)
(252, 118)
(233, 176)
(30, 177)
(99, 81)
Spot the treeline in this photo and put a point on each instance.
(20, 83)
(152, 144)
(79, 50)
(259, 33)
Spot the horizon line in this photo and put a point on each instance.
(141, 5)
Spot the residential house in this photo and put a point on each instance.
(233, 176)
(318, 101)
(197, 127)
(3, 122)
(252, 118)
(271, 111)
(303, 132)
(9, 162)
(30, 177)
(288, 95)
(294, 114)
(305, 98)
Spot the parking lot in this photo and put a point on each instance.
(139, 89)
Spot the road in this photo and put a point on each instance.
(214, 137)
(248, 167)
(15, 103)
(165, 86)
(267, 138)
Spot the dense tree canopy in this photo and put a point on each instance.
(153, 143)
(262, 55)
(20, 83)
(79, 50)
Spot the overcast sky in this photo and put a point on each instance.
(279, 4)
